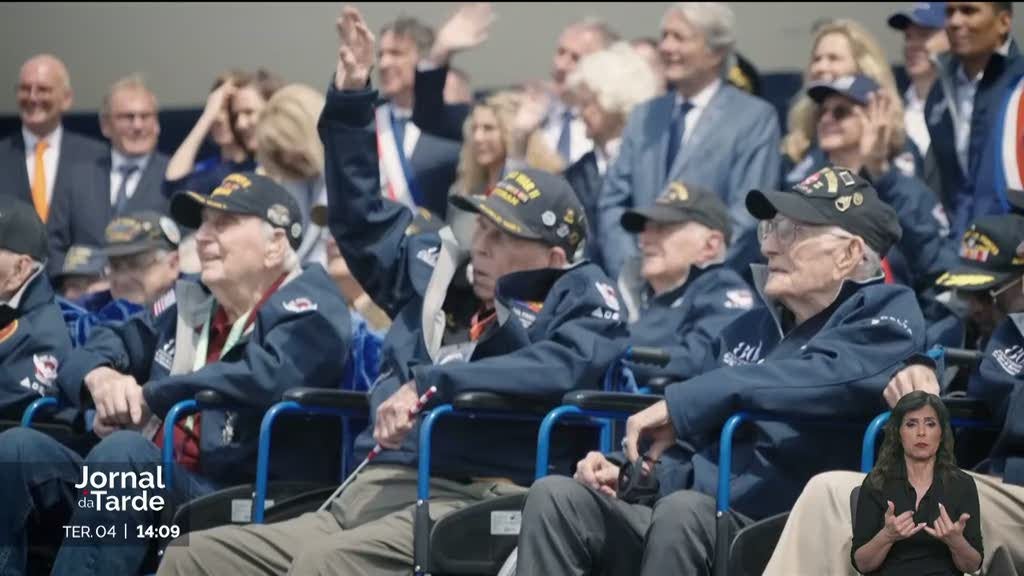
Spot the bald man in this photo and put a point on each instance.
(36, 160)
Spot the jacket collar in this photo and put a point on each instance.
(847, 289)
(35, 292)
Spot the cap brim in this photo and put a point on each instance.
(634, 220)
(187, 208)
(972, 279)
(133, 248)
(900, 21)
(765, 205)
(494, 212)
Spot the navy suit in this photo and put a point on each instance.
(80, 215)
(733, 148)
(74, 149)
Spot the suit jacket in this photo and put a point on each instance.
(978, 192)
(74, 149)
(733, 149)
(80, 214)
(586, 181)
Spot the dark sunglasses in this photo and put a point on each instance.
(840, 112)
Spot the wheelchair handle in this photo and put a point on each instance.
(647, 355)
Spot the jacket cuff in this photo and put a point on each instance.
(425, 377)
(676, 402)
(72, 376)
(349, 107)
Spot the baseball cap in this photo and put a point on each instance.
(857, 88)
(21, 230)
(923, 14)
(138, 232)
(243, 193)
(82, 260)
(535, 205)
(1016, 199)
(833, 196)
(991, 252)
(681, 203)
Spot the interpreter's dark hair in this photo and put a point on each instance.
(891, 462)
(421, 34)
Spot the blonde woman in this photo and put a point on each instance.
(841, 48)
(288, 149)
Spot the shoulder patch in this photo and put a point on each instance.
(429, 255)
(739, 299)
(165, 302)
(300, 305)
(46, 368)
(1011, 359)
(611, 298)
(8, 331)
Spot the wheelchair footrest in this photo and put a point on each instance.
(478, 538)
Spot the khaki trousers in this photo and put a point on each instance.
(368, 529)
(818, 534)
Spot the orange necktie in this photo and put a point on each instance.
(39, 182)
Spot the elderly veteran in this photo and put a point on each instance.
(83, 273)
(528, 324)
(678, 293)
(33, 340)
(991, 274)
(824, 345)
(254, 326)
(141, 261)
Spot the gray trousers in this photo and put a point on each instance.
(368, 529)
(571, 529)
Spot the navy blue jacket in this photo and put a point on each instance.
(556, 330)
(431, 113)
(34, 344)
(976, 193)
(685, 321)
(287, 347)
(1000, 383)
(834, 366)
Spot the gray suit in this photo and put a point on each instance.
(734, 147)
(80, 214)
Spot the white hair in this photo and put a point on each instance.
(618, 76)
(291, 259)
(716, 21)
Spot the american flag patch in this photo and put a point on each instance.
(165, 302)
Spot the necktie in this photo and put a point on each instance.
(121, 199)
(39, 182)
(565, 137)
(677, 130)
(398, 127)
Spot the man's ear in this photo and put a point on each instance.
(848, 258)
(276, 249)
(714, 246)
(106, 125)
(557, 258)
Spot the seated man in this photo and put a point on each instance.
(527, 323)
(992, 252)
(142, 251)
(84, 273)
(33, 340)
(256, 326)
(830, 335)
(678, 293)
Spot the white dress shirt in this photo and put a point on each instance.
(913, 120)
(50, 158)
(117, 161)
(552, 129)
(606, 156)
(700, 102)
(964, 90)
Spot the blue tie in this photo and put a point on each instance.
(565, 138)
(121, 199)
(398, 127)
(675, 135)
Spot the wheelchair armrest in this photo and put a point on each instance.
(647, 355)
(658, 384)
(962, 356)
(211, 399)
(964, 408)
(327, 398)
(491, 402)
(610, 401)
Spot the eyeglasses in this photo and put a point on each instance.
(839, 112)
(132, 264)
(786, 231)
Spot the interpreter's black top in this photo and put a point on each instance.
(921, 554)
